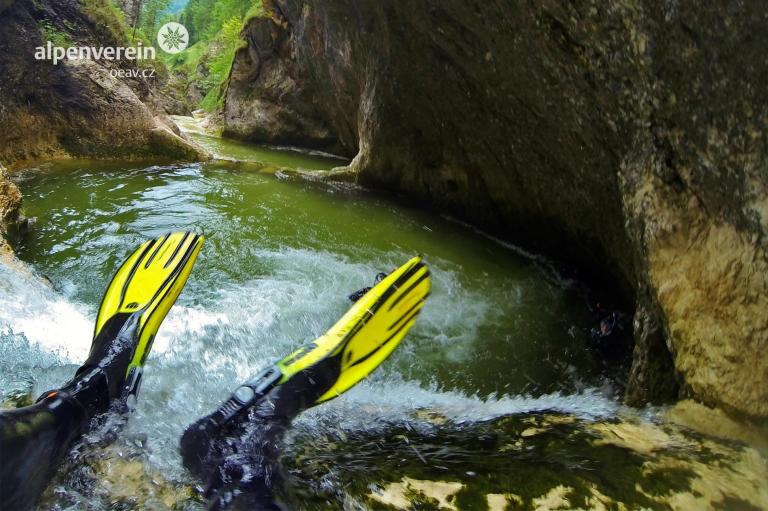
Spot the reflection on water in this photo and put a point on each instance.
(269, 156)
(281, 257)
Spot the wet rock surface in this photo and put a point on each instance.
(75, 108)
(10, 200)
(266, 101)
(537, 461)
(635, 131)
(529, 461)
(10, 204)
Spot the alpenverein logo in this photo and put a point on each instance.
(58, 53)
(173, 37)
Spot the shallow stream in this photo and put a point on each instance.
(495, 394)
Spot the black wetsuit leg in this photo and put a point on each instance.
(239, 460)
(35, 439)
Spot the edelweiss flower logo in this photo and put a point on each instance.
(173, 37)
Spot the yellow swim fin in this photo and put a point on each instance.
(368, 333)
(141, 294)
(353, 348)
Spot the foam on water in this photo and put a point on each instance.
(275, 272)
(31, 308)
(184, 321)
(386, 401)
(203, 351)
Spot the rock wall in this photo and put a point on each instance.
(271, 100)
(10, 203)
(75, 108)
(634, 133)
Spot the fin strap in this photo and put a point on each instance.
(246, 395)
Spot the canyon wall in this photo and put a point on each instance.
(77, 107)
(10, 203)
(634, 133)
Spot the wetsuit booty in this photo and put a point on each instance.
(239, 458)
(34, 439)
(111, 353)
(103, 379)
(236, 448)
(87, 394)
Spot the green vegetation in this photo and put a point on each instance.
(105, 13)
(152, 16)
(205, 19)
(201, 71)
(214, 28)
(55, 36)
(228, 39)
(257, 10)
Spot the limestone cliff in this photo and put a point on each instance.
(131, 10)
(633, 132)
(75, 108)
(284, 110)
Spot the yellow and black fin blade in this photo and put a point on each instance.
(366, 335)
(143, 291)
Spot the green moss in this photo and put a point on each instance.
(55, 36)
(105, 13)
(210, 102)
(492, 457)
(257, 10)
(666, 481)
(188, 60)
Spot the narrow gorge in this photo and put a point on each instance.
(636, 131)
(586, 181)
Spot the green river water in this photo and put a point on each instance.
(495, 388)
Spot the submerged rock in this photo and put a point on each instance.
(540, 461)
(531, 461)
(116, 477)
(401, 495)
(632, 133)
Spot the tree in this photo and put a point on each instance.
(151, 14)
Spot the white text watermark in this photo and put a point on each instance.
(58, 53)
(172, 38)
(132, 73)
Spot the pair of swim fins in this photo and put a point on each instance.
(150, 280)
